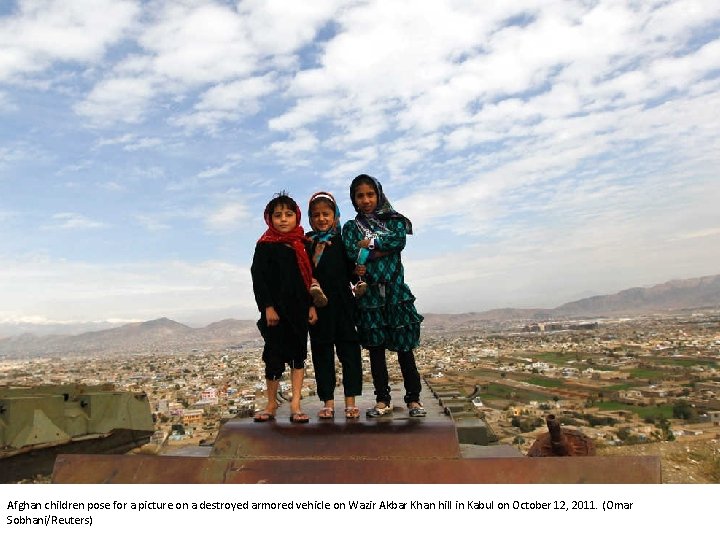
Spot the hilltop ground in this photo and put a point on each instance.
(689, 460)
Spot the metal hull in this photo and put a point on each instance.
(29, 464)
(39, 423)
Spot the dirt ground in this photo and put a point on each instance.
(688, 460)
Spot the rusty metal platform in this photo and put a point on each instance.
(390, 450)
(133, 469)
(395, 436)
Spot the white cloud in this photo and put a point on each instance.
(189, 45)
(16, 151)
(278, 27)
(301, 141)
(112, 186)
(702, 233)
(117, 100)
(121, 139)
(216, 171)
(232, 96)
(6, 104)
(226, 102)
(670, 21)
(312, 109)
(198, 42)
(29, 288)
(130, 142)
(230, 215)
(70, 220)
(152, 223)
(40, 32)
(679, 72)
(354, 161)
(431, 67)
(142, 143)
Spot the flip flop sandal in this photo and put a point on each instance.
(417, 412)
(380, 409)
(326, 413)
(263, 416)
(299, 418)
(352, 413)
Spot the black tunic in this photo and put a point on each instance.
(277, 282)
(336, 321)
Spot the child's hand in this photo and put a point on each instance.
(312, 315)
(364, 243)
(360, 270)
(271, 316)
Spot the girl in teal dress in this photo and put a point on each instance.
(387, 318)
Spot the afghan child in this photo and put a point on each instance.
(282, 276)
(335, 328)
(387, 315)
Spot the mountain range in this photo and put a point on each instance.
(168, 336)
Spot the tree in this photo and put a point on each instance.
(684, 410)
(664, 425)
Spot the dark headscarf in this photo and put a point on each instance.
(383, 211)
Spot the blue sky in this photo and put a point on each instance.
(544, 150)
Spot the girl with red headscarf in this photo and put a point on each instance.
(282, 279)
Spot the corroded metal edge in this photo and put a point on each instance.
(140, 469)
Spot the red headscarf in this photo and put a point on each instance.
(295, 239)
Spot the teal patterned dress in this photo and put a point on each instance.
(386, 313)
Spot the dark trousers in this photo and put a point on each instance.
(381, 380)
(323, 359)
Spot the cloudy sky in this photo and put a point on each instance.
(544, 150)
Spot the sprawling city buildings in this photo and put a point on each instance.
(621, 381)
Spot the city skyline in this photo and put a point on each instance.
(544, 151)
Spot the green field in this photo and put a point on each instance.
(545, 382)
(682, 362)
(500, 391)
(557, 358)
(597, 367)
(654, 411)
(645, 373)
(615, 387)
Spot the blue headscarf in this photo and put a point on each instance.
(320, 239)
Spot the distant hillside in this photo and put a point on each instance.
(165, 335)
(673, 295)
(160, 335)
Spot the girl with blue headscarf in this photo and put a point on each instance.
(335, 327)
(387, 318)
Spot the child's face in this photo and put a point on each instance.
(283, 218)
(322, 216)
(366, 198)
